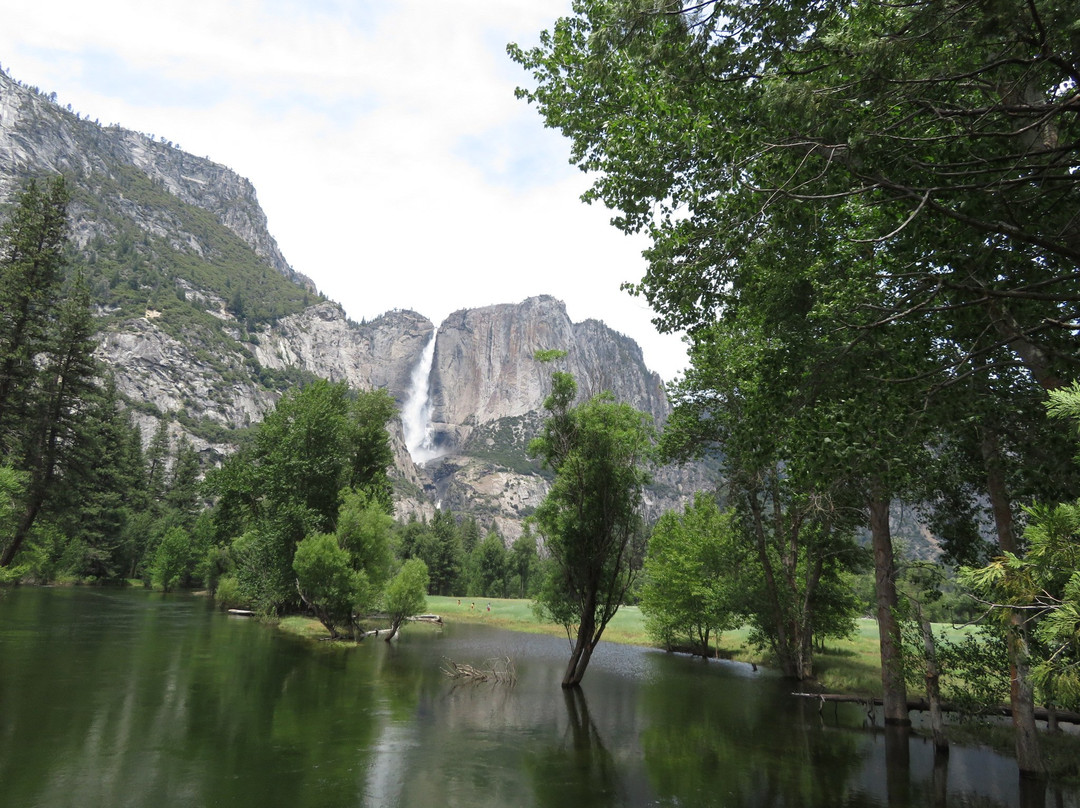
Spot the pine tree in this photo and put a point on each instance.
(47, 369)
(32, 263)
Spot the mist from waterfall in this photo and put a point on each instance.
(416, 413)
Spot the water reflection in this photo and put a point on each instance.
(731, 746)
(127, 698)
(578, 770)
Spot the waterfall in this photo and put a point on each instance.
(416, 413)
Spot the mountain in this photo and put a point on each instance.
(203, 322)
(483, 399)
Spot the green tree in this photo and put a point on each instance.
(796, 435)
(406, 594)
(366, 531)
(56, 404)
(288, 483)
(439, 547)
(98, 505)
(182, 496)
(490, 567)
(524, 560)
(50, 413)
(469, 530)
(327, 582)
(157, 456)
(369, 440)
(693, 572)
(412, 535)
(591, 513)
(300, 451)
(33, 241)
(172, 559)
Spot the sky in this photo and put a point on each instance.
(384, 141)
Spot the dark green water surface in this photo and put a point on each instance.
(127, 698)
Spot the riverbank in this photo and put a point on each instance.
(845, 666)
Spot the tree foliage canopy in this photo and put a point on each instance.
(940, 132)
(693, 571)
(318, 444)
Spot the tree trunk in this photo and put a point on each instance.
(393, 630)
(1034, 357)
(802, 646)
(893, 687)
(897, 764)
(1021, 691)
(583, 647)
(933, 688)
(939, 779)
(997, 490)
(1028, 758)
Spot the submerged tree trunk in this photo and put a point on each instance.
(893, 687)
(1028, 758)
(933, 687)
(583, 647)
(1021, 691)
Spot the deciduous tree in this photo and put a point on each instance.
(406, 594)
(326, 580)
(695, 577)
(591, 513)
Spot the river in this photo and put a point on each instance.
(131, 698)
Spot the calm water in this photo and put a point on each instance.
(126, 698)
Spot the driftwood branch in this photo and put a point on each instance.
(498, 671)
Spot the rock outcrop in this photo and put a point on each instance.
(484, 367)
(378, 354)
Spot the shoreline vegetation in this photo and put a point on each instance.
(844, 666)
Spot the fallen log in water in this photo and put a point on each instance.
(499, 671)
(922, 705)
(426, 618)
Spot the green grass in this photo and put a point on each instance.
(851, 665)
(513, 614)
(306, 627)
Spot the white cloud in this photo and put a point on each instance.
(394, 163)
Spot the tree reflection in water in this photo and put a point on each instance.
(579, 771)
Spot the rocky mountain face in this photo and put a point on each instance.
(485, 395)
(484, 370)
(37, 136)
(204, 323)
